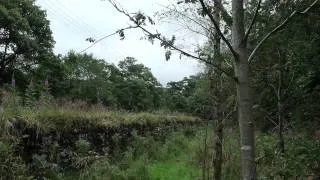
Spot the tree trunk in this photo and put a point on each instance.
(280, 111)
(3, 65)
(217, 161)
(280, 119)
(241, 67)
(218, 131)
(245, 122)
(205, 154)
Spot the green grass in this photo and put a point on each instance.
(182, 157)
(171, 170)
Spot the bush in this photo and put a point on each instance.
(11, 166)
(43, 169)
(82, 146)
(301, 158)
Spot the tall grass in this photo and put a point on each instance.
(68, 116)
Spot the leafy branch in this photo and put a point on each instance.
(139, 21)
(120, 32)
(279, 27)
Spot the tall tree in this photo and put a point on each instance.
(218, 137)
(139, 89)
(25, 37)
(180, 94)
(88, 78)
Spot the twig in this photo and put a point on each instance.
(189, 18)
(169, 44)
(216, 25)
(252, 21)
(105, 37)
(279, 27)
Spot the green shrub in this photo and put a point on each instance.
(82, 146)
(11, 166)
(43, 169)
(301, 158)
(145, 145)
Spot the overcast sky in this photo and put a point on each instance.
(72, 21)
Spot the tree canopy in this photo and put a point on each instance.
(25, 38)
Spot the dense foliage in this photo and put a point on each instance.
(25, 39)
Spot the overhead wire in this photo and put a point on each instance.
(63, 13)
(59, 17)
(68, 18)
(77, 17)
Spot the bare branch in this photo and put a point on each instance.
(170, 44)
(186, 26)
(274, 90)
(278, 28)
(186, 53)
(188, 18)
(252, 21)
(105, 37)
(289, 85)
(216, 25)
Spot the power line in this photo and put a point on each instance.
(65, 22)
(60, 14)
(77, 17)
(61, 8)
(67, 17)
(60, 17)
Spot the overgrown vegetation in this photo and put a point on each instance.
(75, 116)
(179, 155)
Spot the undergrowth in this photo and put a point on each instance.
(179, 156)
(147, 158)
(174, 153)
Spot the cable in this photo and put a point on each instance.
(66, 17)
(77, 17)
(60, 14)
(65, 22)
